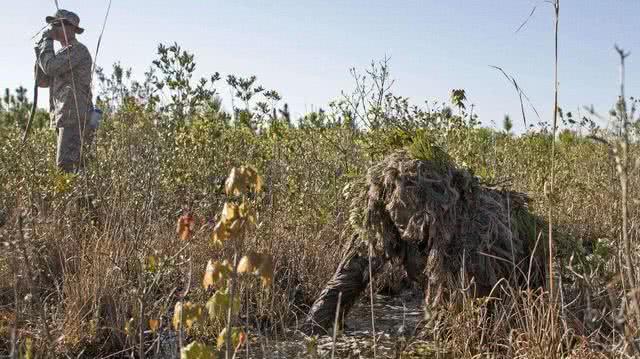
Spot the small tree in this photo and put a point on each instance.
(14, 110)
(176, 69)
(238, 215)
(507, 124)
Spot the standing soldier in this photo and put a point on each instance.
(67, 74)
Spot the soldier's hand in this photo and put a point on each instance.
(46, 34)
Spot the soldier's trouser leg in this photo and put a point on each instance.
(351, 279)
(69, 148)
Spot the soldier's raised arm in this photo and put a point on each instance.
(53, 64)
(41, 77)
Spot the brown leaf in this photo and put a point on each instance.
(266, 270)
(154, 324)
(215, 273)
(185, 227)
(190, 312)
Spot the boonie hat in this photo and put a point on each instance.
(68, 17)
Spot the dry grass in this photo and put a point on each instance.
(92, 277)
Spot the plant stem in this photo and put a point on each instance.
(234, 280)
(551, 198)
(335, 326)
(553, 156)
(373, 321)
(623, 165)
(31, 275)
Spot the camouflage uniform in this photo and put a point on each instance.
(445, 228)
(352, 277)
(67, 74)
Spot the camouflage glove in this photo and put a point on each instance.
(46, 34)
(45, 40)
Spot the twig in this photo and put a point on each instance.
(183, 295)
(14, 329)
(141, 324)
(552, 295)
(335, 326)
(35, 296)
(373, 320)
(230, 317)
(622, 166)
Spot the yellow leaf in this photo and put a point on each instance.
(216, 272)
(245, 266)
(258, 184)
(191, 313)
(197, 350)
(241, 179)
(220, 233)
(249, 263)
(238, 337)
(208, 280)
(222, 337)
(154, 324)
(230, 182)
(253, 178)
(247, 212)
(230, 212)
(236, 183)
(243, 209)
(218, 305)
(236, 226)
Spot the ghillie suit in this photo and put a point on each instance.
(441, 224)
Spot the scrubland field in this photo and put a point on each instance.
(129, 256)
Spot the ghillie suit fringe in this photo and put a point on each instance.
(442, 225)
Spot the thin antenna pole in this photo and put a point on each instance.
(104, 25)
(553, 154)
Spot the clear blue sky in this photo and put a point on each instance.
(304, 49)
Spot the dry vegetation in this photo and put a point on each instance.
(104, 279)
